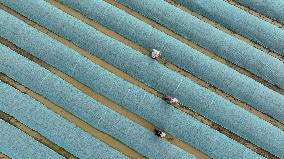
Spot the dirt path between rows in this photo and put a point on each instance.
(3, 156)
(151, 90)
(37, 136)
(255, 13)
(228, 31)
(70, 117)
(196, 47)
(127, 77)
(93, 94)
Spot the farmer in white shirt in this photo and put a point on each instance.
(155, 53)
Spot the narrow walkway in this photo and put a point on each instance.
(261, 16)
(195, 46)
(37, 136)
(145, 87)
(108, 103)
(228, 31)
(3, 156)
(75, 120)
(133, 45)
(123, 75)
(90, 57)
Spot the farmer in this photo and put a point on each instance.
(171, 100)
(160, 133)
(155, 53)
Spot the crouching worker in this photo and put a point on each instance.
(160, 133)
(155, 53)
(171, 100)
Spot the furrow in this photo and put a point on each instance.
(126, 77)
(135, 46)
(37, 136)
(196, 47)
(17, 144)
(106, 102)
(226, 30)
(3, 156)
(253, 12)
(108, 94)
(70, 117)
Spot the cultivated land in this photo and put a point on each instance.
(76, 79)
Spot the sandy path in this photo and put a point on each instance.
(70, 117)
(151, 90)
(196, 47)
(171, 66)
(77, 121)
(90, 92)
(228, 31)
(259, 15)
(106, 102)
(187, 74)
(3, 156)
(137, 47)
(37, 136)
(127, 77)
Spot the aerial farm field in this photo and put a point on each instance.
(77, 79)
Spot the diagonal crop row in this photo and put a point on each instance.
(111, 54)
(110, 122)
(270, 12)
(119, 22)
(95, 95)
(210, 38)
(37, 136)
(17, 144)
(240, 22)
(131, 97)
(57, 129)
(75, 120)
(194, 46)
(106, 31)
(119, 73)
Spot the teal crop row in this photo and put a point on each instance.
(236, 84)
(211, 38)
(50, 125)
(272, 9)
(66, 134)
(17, 144)
(131, 97)
(152, 73)
(240, 22)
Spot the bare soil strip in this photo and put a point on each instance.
(3, 156)
(255, 13)
(77, 121)
(195, 46)
(145, 87)
(142, 85)
(34, 134)
(135, 46)
(226, 30)
(104, 101)
(120, 38)
(89, 91)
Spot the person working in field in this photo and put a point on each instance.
(160, 133)
(171, 100)
(155, 53)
